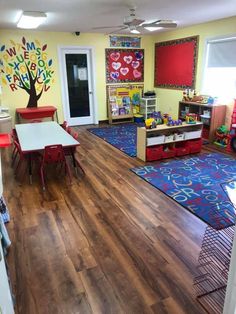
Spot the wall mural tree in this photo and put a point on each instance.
(26, 66)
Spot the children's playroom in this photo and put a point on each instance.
(118, 162)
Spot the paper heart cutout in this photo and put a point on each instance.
(135, 64)
(128, 59)
(137, 74)
(115, 56)
(116, 65)
(124, 71)
(139, 55)
(114, 75)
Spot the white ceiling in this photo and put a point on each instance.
(83, 15)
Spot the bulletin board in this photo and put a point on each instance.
(123, 100)
(124, 65)
(176, 63)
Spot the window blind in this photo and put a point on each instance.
(222, 53)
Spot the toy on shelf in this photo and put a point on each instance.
(150, 123)
(222, 136)
(191, 118)
(165, 118)
(156, 115)
(172, 122)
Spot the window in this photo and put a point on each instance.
(220, 69)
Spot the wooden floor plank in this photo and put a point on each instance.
(108, 243)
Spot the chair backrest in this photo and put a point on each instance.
(64, 125)
(53, 154)
(14, 135)
(69, 130)
(75, 135)
(18, 148)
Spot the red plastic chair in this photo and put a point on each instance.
(69, 130)
(53, 154)
(70, 151)
(19, 154)
(64, 125)
(15, 150)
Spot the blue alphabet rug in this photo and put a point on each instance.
(123, 137)
(198, 183)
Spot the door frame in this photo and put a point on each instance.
(64, 80)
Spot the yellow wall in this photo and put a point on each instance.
(55, 39)
(168, 98)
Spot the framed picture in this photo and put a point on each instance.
(176, 63)
(124, 65)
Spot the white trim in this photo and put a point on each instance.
(62, 70)
(230, 298)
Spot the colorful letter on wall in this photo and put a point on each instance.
(27, 66)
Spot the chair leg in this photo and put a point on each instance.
(14, 156)
(75, 163)
(42, 177)
(68, 170)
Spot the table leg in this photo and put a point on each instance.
(57, 117)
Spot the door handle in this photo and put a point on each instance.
(90, 93)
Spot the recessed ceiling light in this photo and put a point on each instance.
(31, 19)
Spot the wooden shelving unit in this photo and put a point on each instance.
(211, 121)
(143, 134)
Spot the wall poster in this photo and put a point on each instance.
(176, 63)
(124, 65)
(125, 41)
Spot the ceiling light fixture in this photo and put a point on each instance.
(31, 19)
(133, 30)
(152, 28)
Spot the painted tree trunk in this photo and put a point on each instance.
(33, 98)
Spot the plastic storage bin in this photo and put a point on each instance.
(179, 137)
(192, 134)
(169, 138)
(155, 140)
(195, 146)
(5, 123)
(182, 149)
(168, 152)
(154, 153)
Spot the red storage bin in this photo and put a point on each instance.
(195, 146)
(154, 153)
(182, 149)
(168, 153)
(205, 133)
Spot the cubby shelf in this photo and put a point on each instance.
(215, 118)
(163, 129)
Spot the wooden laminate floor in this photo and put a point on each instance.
(108, 243)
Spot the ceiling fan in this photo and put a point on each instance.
(135, 24)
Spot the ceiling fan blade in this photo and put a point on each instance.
(135, 22)
(101, 27)
(161, 23)
(117, 30)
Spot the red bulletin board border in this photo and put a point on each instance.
(124, 65)
(176, 63)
